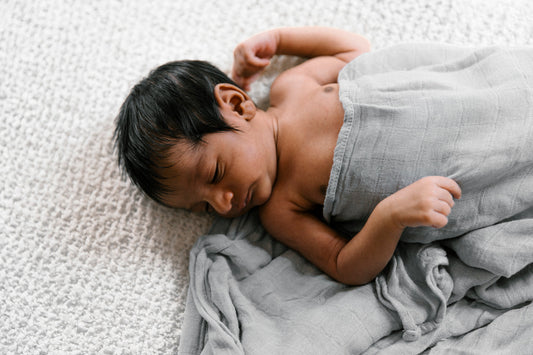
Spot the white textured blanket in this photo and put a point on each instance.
(87, 264)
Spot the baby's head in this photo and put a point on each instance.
(175, 103)
(166, 141)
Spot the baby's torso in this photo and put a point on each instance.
(309, 126)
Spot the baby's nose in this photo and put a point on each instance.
(223, 203)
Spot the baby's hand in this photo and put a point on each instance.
(252, 56)
(426, 202)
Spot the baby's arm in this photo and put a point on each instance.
(427, 202)
(338, 46)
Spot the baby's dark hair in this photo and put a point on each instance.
(174, 103)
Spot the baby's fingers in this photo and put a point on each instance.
(443, 207)
(445, 197)
(438, 220)
(450, 185)
(255, 61)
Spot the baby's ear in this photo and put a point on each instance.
(232, 99)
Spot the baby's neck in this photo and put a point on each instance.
(268, 120)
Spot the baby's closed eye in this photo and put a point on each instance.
(217, 175)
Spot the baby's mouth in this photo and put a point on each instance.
(249, 197)
(246, 200)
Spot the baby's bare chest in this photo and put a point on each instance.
(306, 165)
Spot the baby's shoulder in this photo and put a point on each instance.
(289, 86)
(277, 215)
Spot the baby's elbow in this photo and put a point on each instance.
(363, 44)
(352, 279)
(349, 273)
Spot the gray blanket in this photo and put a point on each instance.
(410, 111)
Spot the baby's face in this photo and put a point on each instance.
(229, 174)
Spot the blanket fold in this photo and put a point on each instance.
(411, 111)
(429, 284)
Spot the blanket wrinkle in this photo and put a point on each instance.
(217, 330)
(416, 268)
(507, 293)
(500, 249)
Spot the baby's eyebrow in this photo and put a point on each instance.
(200, 163)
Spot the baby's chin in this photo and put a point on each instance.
(237, 213)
